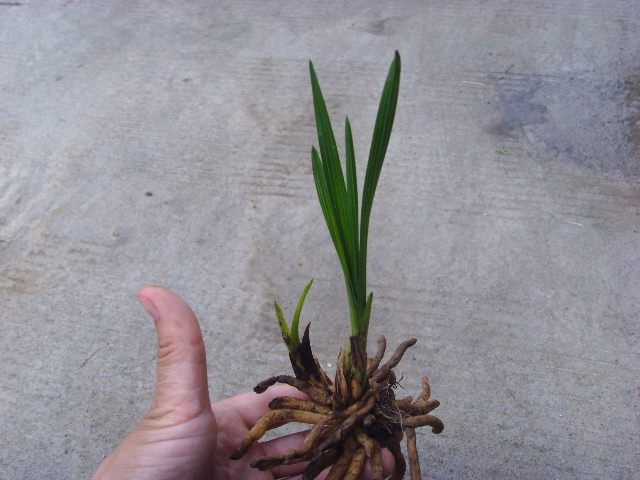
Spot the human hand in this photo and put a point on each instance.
(183, 435)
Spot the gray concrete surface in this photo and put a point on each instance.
(168, 143)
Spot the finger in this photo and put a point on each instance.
(388, 465)
(181, 386)
(282, 445)
(249, 407)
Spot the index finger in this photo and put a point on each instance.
(250, 407)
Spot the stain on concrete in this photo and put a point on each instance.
(383, 26)
(587, 118)
(520, 107)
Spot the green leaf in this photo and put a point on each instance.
(284, 329)
(325, 203)
(367, 315)
(352, 208)
(296, 315)
(328, 212)
(291, 336)
(334, 175)
(339, 198)
(379, 143)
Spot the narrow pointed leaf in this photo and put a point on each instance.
(325, 203)
(328, 151)
(348, 222)
(323, 197)
(379, 143)
(334, 175)
(291, 344)
(366, 316)
(352, 209)
(296, 315)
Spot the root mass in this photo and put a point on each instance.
(351, 423)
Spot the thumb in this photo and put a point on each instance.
(182, 390)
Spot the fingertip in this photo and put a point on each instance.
(145, 298)
(162, 302)
(174, 318)
(388, 462)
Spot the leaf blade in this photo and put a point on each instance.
(296, 316)
(379, 144)
(328, 213)
(352, 209)
(329, 153)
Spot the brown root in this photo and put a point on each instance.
(412, 450)
(401, 465)
(414, 409)
(349, 422)
(372, 449)
(375, 361)
(357, 464)
(271, 420)
(279, 403)
(271, 461)
(426, 392)
(423, 420)
(350, 425)
(383, 372)
(339, 469)
(317, 394)
(325, 460)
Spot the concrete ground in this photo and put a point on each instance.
(169, 143)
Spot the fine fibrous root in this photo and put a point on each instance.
(345, 436)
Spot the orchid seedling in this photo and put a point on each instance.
(357, 414)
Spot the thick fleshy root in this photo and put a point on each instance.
(344, 439)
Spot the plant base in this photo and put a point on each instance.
(344, 436)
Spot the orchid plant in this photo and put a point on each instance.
(356, 414)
